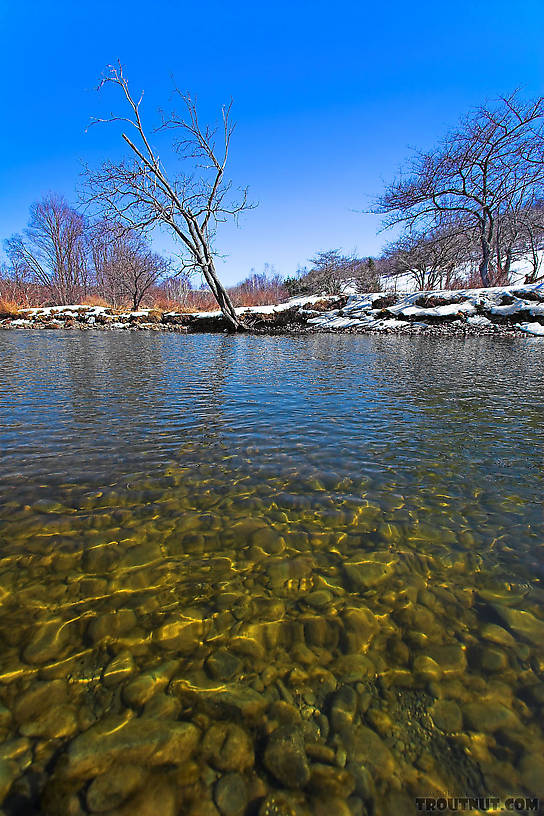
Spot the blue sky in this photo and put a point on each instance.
(329, 99)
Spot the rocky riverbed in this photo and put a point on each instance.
(180, 648)
(500, 311)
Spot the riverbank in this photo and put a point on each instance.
(499, 311)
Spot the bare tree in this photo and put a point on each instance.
(491, 163)
(52, 250)
(177, 288)
(532, 235)
(125, 268)
(429, 260)
(332, 272)
(141, 193)
(520, 236)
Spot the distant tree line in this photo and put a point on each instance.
(475, 202)
(63, 257)
(68, 258)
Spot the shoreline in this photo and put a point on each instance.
(507, 311)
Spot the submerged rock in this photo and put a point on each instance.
(286, 758)
(366, 572)
(112, 788)
(48, 642)
(326, 780)
(8, 773)
(228, 747)
(231, 795)
(142, 688)
(489, 717)
(283, 804)
(447, 716)
(223, 665)
(139, 741)
(524, 624)
(343, 708)
(228, 701)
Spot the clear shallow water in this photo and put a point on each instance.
(217, 551)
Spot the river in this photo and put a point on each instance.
(269, 575)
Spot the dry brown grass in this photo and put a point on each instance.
(8, 308)
(95, 300)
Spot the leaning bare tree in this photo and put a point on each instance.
(491, 163)
(142, 193)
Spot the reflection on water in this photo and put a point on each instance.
(268, 575)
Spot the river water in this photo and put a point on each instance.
(278, 576)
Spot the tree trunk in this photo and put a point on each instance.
(484, 263)
(223, 300)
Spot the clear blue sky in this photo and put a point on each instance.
(329, 98)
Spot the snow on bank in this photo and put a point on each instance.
(512, 309)
(481, 308)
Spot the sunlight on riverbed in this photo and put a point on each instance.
(269, 575)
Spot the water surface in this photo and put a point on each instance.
(219, 551)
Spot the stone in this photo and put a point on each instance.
(360, 626)
(162, 707)
(326, 780)
(223, 665)
(55, 722)
(227, 701)
(319, 599)
(353, 668)
(284, 713)
(489, 717)
(118, 669)
(285, 757)
(111, 625)
(112, 788)
(343, 708)
(135, 741)
(230, 795)
(451, 658)
(182, 636)
(365, 747)
(8, 774)
(40, 696)
(364, 573)
(138, 691)
(329, 806)
(493, 660)
(447, 716)
(283, 804)
(496, 634)
(47, 642)
(227, 747)
(523, 623)
(531, 768)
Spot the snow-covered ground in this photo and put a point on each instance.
(476, 307)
